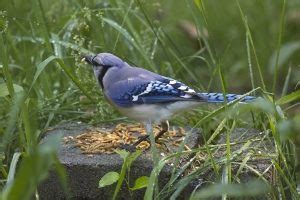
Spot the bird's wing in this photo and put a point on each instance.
(146, 88)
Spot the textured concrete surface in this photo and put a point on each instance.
(84, 172)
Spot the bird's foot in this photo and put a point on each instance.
(146, 138)
(132, 147)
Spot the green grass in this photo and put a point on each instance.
(239, 47)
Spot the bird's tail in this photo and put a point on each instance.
(219, 97)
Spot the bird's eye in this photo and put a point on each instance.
(94, 62)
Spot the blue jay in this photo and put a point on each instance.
(145, 96)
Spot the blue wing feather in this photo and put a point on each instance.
(219, 97)
(138, 91)
(136, 86)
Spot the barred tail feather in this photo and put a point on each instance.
(219, 97)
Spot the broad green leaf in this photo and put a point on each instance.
(108, 179)
(140, 182)
(4, 91)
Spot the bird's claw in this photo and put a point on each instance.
(143, 138)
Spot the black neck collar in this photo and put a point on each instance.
(101, 76)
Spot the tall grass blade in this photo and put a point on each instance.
(249, 59)
(4, 90)
(12, 168)
(289, 98)
(29, 126)
(286, 51)
(152, 180)
(33, 169)
(252, 45)
(127, 161)
(129, 38)
(282, 14)
(4, 58)
(286, 82)
(252, 188)
(40, 68)
(123, 21)
(13, 117)
(40, 17)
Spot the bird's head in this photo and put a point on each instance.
(102, 62)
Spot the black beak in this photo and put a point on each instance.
(88, 59)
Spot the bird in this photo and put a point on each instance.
(148, 97)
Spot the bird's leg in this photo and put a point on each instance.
(165, 128)
(132, 148)
(154, 152)
(141, 139)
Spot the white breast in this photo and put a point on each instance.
(157, 112)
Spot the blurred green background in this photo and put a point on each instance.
(221, 46)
